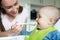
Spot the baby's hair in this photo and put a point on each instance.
(50, 12)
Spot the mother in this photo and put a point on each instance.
(11, 15)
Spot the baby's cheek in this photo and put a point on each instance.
(41, 21)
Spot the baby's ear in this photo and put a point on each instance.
(52, 21)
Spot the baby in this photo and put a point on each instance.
(46, 18)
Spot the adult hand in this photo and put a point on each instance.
(16, 28)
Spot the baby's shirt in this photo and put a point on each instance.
(54, 35)
(39, 34)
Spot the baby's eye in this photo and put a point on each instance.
(39, 16)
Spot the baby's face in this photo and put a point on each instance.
(42, 21)
(47, 16)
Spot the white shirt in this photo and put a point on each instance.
(19, 18)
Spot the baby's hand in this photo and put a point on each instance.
(16, 28)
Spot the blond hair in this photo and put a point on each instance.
(50, 12)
